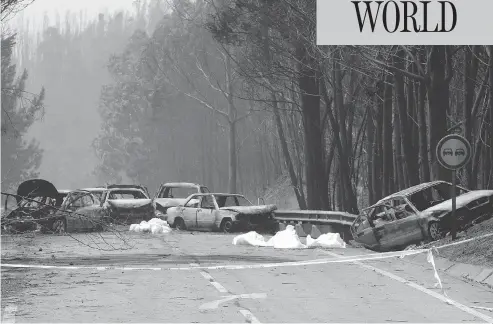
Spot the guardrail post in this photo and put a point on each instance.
(315, 232)
(299, 230)
(282, 226)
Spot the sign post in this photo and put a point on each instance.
(453, 152)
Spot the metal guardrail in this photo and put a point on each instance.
(315, 217)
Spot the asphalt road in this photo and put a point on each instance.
(389, 290)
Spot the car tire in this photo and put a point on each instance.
(59, 226)
(434, 231)
(227, 226)
(179, 224)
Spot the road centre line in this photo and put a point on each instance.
(249, 316)
(431, 293)
(213, 282)
(246, 313)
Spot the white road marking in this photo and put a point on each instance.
(9, 314)
(447, 300)
(249, 316)
(194, 266)
(215, 304)
(211, 280)
(483, 308)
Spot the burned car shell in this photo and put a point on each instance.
(411, 215)
(164, 198)
(80, 211)
(127, 211)
(202, 212)
(31, 213)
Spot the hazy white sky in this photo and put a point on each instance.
(93, 6)
(36, 10)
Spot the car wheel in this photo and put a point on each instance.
(180, 224)
(434, 231)
(227, 226)
(59, 226)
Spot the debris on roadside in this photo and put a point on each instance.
(154, 226)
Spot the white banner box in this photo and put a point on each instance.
(431, 22)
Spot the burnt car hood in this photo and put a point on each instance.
(461, 201)
(129, 203)
(251, 210)
(36, 188)
(170, 202)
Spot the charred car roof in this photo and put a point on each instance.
(36, 188)
(411, 190)
(181, 185)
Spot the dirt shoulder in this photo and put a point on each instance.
(477, 252)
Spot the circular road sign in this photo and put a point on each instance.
(453, 151)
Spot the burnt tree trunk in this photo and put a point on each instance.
(387, 151)
(489, 164)
(470, 73)
(398, 170)
(317, 190)
(423, 133)
(409, 161)
(370, 147)
(438, 95)
(378, 153)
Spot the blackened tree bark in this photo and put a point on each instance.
(308, 83)
(438, 94)
(409, 159)
(470, 73)
(378, 153)
(387, 150)
(489, 164)
(398, 160)
(423, 133)
(349, 197)
(370, 147)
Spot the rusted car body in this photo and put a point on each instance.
(127, 204)
(221, 212)
(173, 194)
(96, 191)
(62, 194)
(80, 212)
(36, 203)
(419, 213)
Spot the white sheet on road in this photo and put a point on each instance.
(154, 226)
(288, 239)
(327, 240)
(250, 238)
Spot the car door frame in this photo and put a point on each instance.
(403, 231)
(189, 214)
(205, 217)
(369, 232)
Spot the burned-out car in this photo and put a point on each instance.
(419, 213)
(80, 211)
(35, 204)
(126, 204)
(96, 191)
(222, 212)
(173, 194)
